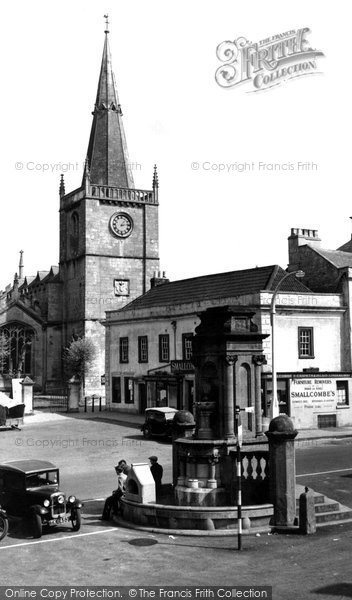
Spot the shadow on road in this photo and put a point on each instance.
(342, 590)
(142, 542)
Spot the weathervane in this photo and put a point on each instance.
(106, 17)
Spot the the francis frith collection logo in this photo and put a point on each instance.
(266, 63)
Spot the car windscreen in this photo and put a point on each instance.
(169, 416)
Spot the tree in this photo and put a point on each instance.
(78, 356)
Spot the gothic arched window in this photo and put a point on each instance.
(16, 340)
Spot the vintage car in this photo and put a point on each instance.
(4, 524)
(29, 489)
(158, 421)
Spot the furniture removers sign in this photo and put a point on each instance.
(316, 394)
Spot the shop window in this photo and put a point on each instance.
(124, 350)
(282, 396)
(164, 348)
(187, 346)
(161, 394)
(342, 393)
(143, 349)
(128, 390)
(116, 390)
(325, 421)
(305, 342)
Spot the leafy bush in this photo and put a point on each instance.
(78, 356)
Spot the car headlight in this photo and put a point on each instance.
(46, 503)
(61, 499)
(72, 499)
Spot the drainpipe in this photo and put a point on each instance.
(174, 327)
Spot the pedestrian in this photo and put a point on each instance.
(156, 471)
(112, 503)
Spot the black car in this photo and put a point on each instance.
(158, 421)
(29, 489)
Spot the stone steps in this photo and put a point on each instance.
(328, 511)
(342, 514)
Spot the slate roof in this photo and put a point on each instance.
(336, 257)
(220, 285)
(346, 247)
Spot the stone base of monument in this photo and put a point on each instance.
(200, 496)
(188, 520)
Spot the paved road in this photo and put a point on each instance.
(99, 554)
(86, 451)
(327, 469)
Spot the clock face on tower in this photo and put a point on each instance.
(121, 224)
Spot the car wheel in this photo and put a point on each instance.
(76, 519)
(147, 432)
(4, 527)
(37, 525)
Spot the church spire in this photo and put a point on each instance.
(107, 150)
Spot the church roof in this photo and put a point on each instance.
(107, 155)
(219, 285)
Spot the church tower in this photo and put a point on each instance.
(109, 242)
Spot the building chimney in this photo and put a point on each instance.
(300, 237)
(158, 279)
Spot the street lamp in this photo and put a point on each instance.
(274, 403)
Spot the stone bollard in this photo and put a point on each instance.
(282, 470)
(307, 522)
(74, 393)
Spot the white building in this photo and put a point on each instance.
(148, 344)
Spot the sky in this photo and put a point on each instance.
(213, 218)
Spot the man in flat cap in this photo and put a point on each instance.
(157, 472)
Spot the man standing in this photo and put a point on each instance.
(156, 471)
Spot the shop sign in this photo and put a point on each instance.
(181, 366)
(313, 393)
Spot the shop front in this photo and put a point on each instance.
(172, 385)
(312, 399)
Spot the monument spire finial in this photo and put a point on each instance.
(155, 178)
(20, 266)
(106, 17)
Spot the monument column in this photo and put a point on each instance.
(258, 361)
(229, 408)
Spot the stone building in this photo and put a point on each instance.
(149, 345)
(109, 251)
